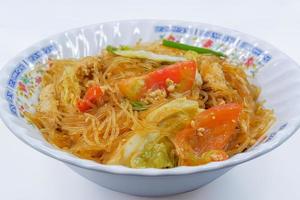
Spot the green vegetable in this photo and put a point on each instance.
(145, 148)
(159, 154)
(126, 51)
(139, 105)
(179, 105)
(186, 47)
(148, 55)
(124, 47)
(174, 115)
(191, 55)
(111, 49)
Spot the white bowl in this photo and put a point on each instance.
(276, 74)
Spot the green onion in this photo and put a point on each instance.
(111, 49)
(186, 47)
(124, 47)
(139, 105)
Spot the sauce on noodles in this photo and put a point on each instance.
(150, 106)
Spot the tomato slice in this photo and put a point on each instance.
(83, 105)
(181, 73)
(212, 130)
(92, 96)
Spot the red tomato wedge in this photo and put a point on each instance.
(92, 96)
(209, 137)
(181, 73)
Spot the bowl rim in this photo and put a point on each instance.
(118, 169)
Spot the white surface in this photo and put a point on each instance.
(27, 174)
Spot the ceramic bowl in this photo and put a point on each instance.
(276, 73)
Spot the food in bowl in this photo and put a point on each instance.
(152, 105)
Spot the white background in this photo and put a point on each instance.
(27, 174)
